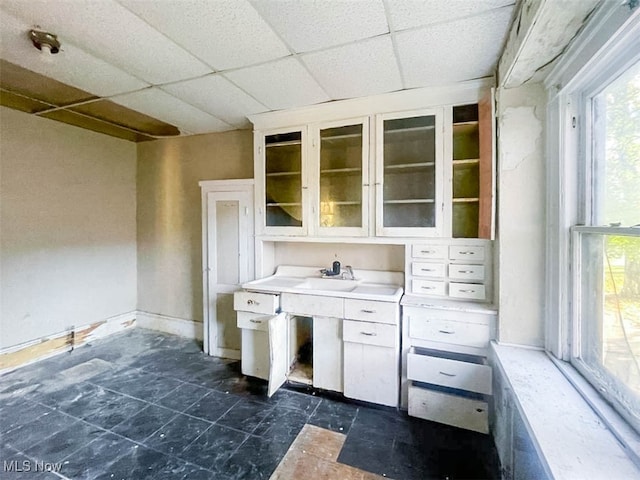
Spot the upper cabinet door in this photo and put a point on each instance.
(281, 189)
(409, 173)
(341, 178)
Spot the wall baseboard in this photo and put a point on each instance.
(45, 347)
(164, 323)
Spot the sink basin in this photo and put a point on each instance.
(328, 284)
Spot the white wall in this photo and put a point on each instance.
(520, 245)
(67, 227)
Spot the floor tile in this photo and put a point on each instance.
(144, 423)
(20, 414)
(281, 426)
(41, 428)
(245, 415)
(176, 469)
(255, 459)
(334, 416)
(176, 435)
(214, 447)
(298, 401)
(95, 458)
(107, 409)
(64, 443)
(212, 406)
(139, 463)
(139, 384)
(182, 397)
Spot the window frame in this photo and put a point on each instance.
(586, 71)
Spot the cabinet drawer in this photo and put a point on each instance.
(449, 409)
(466, 272)
(428, 287)
(448, 331)
(425, 269)
(467, 290)
(429, 251)
(256, 302)
(466, 252)
(382, 312)
(370, 333)
(449, 373)
(252, 321)
(312, 305)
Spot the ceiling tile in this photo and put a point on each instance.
(356, 70)
(453, 52)
(225, 34)
(216, 95)
(312, 25)
(72, 65)
(109, 31)
(280, 84)
(158, 104)
(415, 13)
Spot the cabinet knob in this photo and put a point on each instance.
(252, 302)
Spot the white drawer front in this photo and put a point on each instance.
(312, 305)
(467, 290)
(449, 373)
(429, 251)
(252, 321)
(466, 252)
(369, 333)
(256, 302)
(428, 287)
(466, 272)
(383, 312)
(447, 331)
(425, 269)
(449, 409)
(453, 315)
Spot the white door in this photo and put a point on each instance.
(229, 262)
(278, 352)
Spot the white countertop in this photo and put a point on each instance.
(368, 284)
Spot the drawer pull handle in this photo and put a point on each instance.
(467, 252)
(368, 311)
(428, 288)
(447, 332)
(427, 251)
(255, 321)
(427, 270)
(467, 291)
(369, 334)
(465, 271)
(448, 374)
(252, 302)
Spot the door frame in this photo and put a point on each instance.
(243, 187)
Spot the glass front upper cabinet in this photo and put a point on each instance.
(284, 188)
(409, 174)
(341, 205)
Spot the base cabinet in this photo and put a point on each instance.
(371, 373)
(327, 353)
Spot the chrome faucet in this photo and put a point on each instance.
(348, 273)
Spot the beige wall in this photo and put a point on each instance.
(67, 227)
(169, 215)
(520, 245)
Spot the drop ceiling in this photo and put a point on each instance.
(142, 69)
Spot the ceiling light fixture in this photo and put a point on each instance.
(46, 42)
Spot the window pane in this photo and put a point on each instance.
(616, 138)
(610, 315)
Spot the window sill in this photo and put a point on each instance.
(571, 440)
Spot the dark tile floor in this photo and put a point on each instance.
(143, 404)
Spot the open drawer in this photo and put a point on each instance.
(448, 369)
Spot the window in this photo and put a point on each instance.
(606, 250)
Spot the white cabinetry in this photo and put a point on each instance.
(371, 352)
(445, 376)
